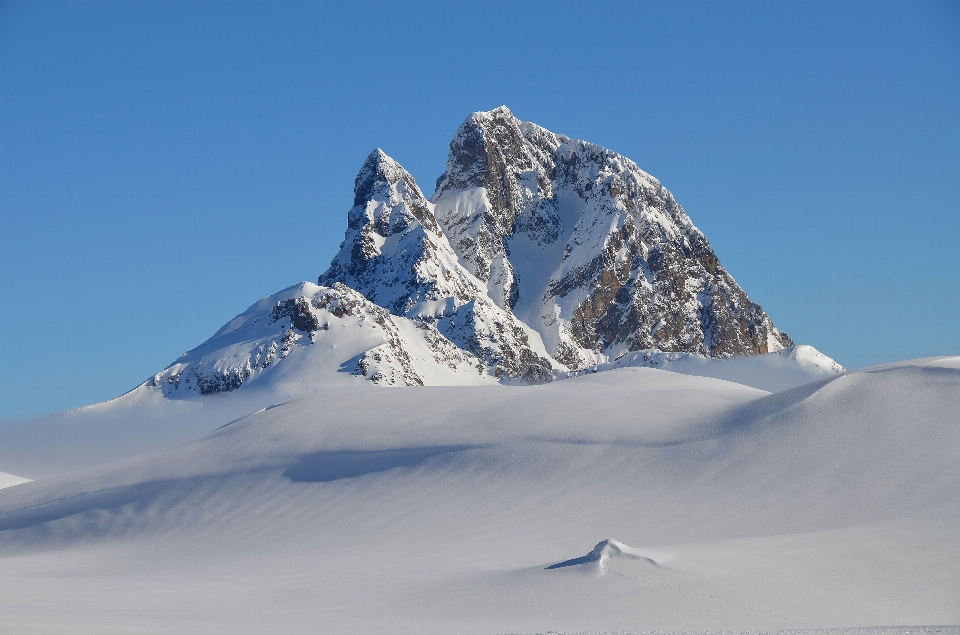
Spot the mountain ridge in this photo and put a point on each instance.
(537, 257)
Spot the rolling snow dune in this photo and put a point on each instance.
(449, 509)
(147, 419)
(138, 422)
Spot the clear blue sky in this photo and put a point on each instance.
(163, 165)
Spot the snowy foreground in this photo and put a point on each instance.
(624, 501)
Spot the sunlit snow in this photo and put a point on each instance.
(450, 509)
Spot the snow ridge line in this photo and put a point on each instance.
(667, 586)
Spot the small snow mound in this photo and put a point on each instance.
(605, 551)
(609, 548)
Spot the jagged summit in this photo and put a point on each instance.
(538, 256)
(397, 256)
(380, 172)
(394, 252)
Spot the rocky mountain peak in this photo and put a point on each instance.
(382, 179)
(394, 252)
(396, 255)
(485, 146)
(588, 249)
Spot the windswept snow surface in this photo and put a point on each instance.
(141, 421)
(447, 509)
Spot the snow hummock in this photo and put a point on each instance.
(603, 554)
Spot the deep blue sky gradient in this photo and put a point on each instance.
(163, 165)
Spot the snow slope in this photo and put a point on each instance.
(302, 340)
(773, 372)
(448, 509)
(168, 409)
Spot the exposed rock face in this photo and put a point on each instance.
(394, 252)
(298, 310)
(397, 256)
(587, 249)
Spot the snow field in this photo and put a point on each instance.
(150, 418)
(438, 510)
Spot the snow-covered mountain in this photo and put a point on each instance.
(538, 257)
(316, 332)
